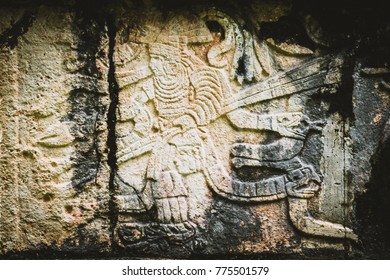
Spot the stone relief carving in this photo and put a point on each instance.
(196, 76)
(175, 131)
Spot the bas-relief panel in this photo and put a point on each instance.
(210, 119)
(175, 132)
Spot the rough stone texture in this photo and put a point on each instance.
(54, 95)
(194, 130)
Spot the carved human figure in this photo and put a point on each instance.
(187, 96)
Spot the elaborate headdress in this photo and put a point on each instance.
(166, 51)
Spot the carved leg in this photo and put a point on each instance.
(303, 221)
(170, 198)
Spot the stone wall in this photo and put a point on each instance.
(204, 129)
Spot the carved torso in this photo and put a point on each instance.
(171, 96)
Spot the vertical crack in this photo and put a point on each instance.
(111, 124)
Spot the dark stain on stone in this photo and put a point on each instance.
(68, 208)
(341, 101)
(86, 109)
(255, 174)
(83, 115)
(48, 197)
(242, 68)
(288, 29)
(216, 28)
(228, 225)
(9, 38)
(372, 208)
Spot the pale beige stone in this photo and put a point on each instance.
(40, 204)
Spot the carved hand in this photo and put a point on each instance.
(171, 210)
(141, 117)
(186, 122)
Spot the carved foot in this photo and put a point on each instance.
(302, 220)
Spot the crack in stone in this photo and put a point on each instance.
(111, 123)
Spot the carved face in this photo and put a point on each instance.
(163, 67)
(157, 64)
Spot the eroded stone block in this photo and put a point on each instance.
(54, 98)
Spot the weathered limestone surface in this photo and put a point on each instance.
(54, 92)
(204, 129)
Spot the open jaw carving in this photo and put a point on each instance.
(172, 88)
